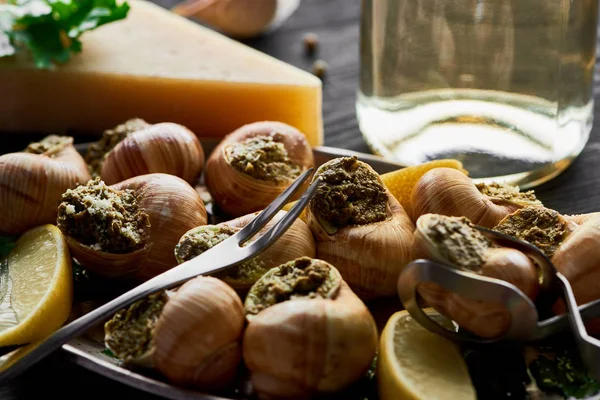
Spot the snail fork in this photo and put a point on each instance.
(226, 254)
(525, 324)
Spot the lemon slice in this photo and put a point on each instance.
(36, 286)
(401, 182)
(417, 364)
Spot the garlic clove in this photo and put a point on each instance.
(197, 337)
(254, 164)
(449, 192)
(239, 18)
(367, 239)
(161, 148)
(307, 341)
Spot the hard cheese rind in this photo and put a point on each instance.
(161, 67)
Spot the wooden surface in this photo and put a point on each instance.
(336, 22)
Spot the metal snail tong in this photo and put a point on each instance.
(525, 324)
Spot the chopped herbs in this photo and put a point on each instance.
(565, 375)
(50, 29)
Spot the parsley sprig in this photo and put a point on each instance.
(50, 29)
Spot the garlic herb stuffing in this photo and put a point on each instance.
(49, 145)
(130, 333)
(300, 278)
(103, 218)
(508, 192)
(456, 240)
(351, 194)
(540, 226)
(264, 158)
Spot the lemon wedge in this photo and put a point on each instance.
(36, 286)
(415, 364)
(401, 182)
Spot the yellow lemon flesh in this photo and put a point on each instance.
(401, 182)
(36, 286)
(415, 364)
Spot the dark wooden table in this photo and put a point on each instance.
(336, 22)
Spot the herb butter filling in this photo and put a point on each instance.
(203, 238)
(103, 218)
(264, 158)
(457, 241)
(303, 277)
(539, 226)
(98, 151)
(130, 333)
(50, 145)
(351, 194)
(509, 193)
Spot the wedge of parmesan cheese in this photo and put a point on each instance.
(160, 67)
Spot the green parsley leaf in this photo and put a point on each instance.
(50, 29)
(565, 375)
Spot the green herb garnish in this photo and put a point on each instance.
(565, 375)
(50, 29)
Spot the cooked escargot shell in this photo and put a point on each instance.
(447, 191)
(571, 242)
(33, 181)
(296, 242)
(307, 331)
(360, 227)
(455, 242)
(254, 164)
(137, 148)
(192, 337)
(129, 229)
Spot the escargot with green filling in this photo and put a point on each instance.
(129, 229)
(360, 227)
(303, 313)
(192, 336)
(454, 241)
(254, 164)
(296, 242)
(448, 191)
(137, 148)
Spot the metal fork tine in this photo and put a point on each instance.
(265, 216)
(282, 225)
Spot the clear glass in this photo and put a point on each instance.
(505, 86)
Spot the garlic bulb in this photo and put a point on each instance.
(33, 181)
(161, 148)
(307, 331)
(296, 242)
(360, 227)
(131, 228)
(254, 164)
(454, 241)
(449, 192)
(238, 18)
(192, 337)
